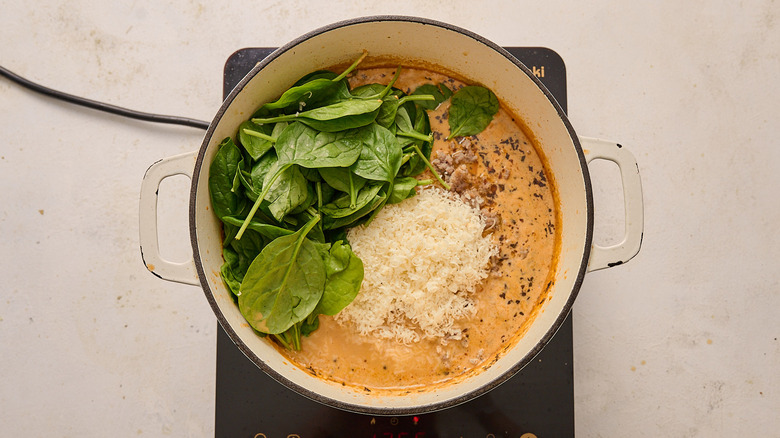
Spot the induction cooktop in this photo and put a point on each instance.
(536, 402)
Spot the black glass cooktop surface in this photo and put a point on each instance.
(536, 402)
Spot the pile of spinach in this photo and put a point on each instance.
(320, 159)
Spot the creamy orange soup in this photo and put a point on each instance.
(501, 172)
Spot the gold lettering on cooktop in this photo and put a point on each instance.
(538, 71)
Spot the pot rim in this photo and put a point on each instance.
(566, 309)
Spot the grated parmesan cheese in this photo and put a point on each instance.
(423, 259)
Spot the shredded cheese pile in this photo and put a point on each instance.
(423, 259)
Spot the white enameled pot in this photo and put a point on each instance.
(471, 57)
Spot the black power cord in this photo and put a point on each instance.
(100, 106)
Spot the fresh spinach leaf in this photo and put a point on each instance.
(242, 165)
(390, 104)
(228, 231)
(338, 116)
(222, 173)
(265, 229)
(380, 157)
(310, 324)
(254, 144)
(403, 188)
(339, 179)
(329, 223)
(422, 123)
(417, 144)
(368, 91)
(344, 272)
(404, 121)
(439, 92)
(247, 250)
(341, 206)
(238, 255)
(316, 234)
(269, 179)
(254, 182)
(314, 89)
(311, 199)
(287, 189)
(416, 164)
(394, 102)
(309, 94)
(471, 110)
(284, 283)
(324, 193)
(409, 133)
(378, 91)
(306, 147)
(311, 174)
(228, 268)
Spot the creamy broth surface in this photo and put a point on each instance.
(500, 171)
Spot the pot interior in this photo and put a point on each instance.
(430, 43)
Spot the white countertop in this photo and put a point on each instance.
(682, 341)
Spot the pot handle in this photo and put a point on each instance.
(608, 256)
(180, 272)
